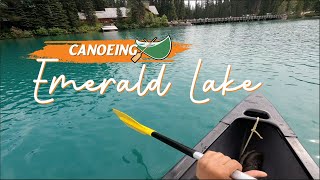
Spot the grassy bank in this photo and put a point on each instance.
(149, 21)
(14, 32)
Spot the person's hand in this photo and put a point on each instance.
(215, 165)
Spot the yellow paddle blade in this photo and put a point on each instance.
(130, 122)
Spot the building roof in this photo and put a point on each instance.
(111, 13)
(101, 14)
(108, 13)
(154, 10)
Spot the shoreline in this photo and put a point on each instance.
(94, 29)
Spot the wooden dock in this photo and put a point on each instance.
(233, 19)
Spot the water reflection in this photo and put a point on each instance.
(139, 157)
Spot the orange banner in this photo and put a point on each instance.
(101, 51)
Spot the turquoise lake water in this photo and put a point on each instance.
(78, 136)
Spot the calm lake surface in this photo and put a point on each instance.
(78, 136)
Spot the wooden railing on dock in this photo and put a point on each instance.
(234, 19)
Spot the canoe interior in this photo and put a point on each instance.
(284, 156)
(280, 162)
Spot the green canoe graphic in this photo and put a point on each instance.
(156, 50)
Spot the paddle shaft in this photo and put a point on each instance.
(193, 153)
(148, 44)
(130, 122)
(178, 146)
(136, 57)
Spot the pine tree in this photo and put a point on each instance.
(306, 5)
(253, 6)
(241, 8)
(43, 13)
(265, 7)
(89, 12)
(172, 11)
(182, 12)
(196, 10)
(180, 9)
(206, 9)
(211, 8)
(317, 7)
(99, 5)
(282, 9)
(110, 3)
(217, 8)
(119, 12)
(277, 4)
(70, 8)
(58, 14)
(79, 4)
(189, 14)
(292, 4)
(136, 11)
(122, 3)
(299, 7)
(226, 9)
(22, 12)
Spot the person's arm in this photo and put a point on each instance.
(215, 165)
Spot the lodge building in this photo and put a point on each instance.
(110, 14)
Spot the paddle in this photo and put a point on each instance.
(130, 122)
(136, 57)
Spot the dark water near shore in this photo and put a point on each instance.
(78, 136)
